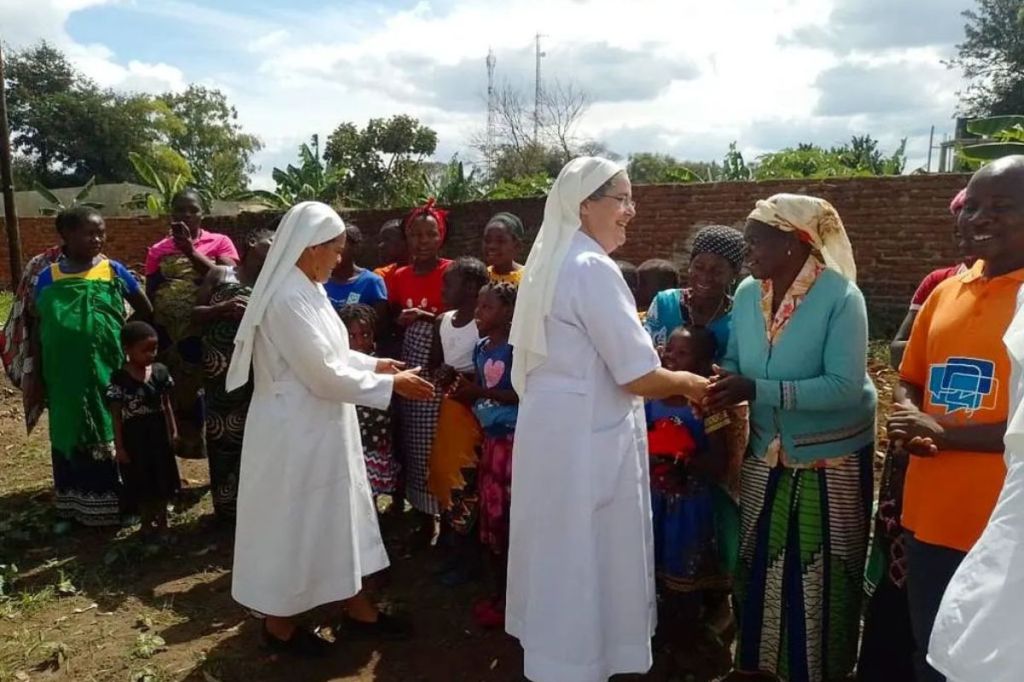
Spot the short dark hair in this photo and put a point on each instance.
(188, 193)
(136, 331)
(74, 217)
(472, 270)
(358, 313)
(393, 224)
(353, 234)
(255, 236)
(705, 339)
(663, 272)
(629, 273)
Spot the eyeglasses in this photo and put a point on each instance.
(624, 201)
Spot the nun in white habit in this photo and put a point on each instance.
(306, 529)
(581, 570)
(977, 632)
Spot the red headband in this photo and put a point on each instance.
(958, 202)
(429, 210)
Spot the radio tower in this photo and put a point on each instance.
(491, 105)
(537, 89)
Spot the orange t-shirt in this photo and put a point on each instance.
(956, 355)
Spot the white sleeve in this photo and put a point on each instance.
(608, 313)
(293, 327)
(362, 361)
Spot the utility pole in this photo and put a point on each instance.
(7, 184)
(931, 146)
(536, 93)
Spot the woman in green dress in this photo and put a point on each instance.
(220, 305)
(79, 309)
(175, 267)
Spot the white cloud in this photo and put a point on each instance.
(683, 76)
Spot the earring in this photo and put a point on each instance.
(790, 252)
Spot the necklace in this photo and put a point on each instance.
(693, 318)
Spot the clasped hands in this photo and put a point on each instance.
(919, 433)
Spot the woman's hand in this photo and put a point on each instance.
(920, 433)
(388, 366)
(410, 315)
(727, 389)
(409, 384)
(182, 238)
(232, 309)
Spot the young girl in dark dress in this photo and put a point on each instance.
(144, 427)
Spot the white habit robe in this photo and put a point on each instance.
(978, 634)
(307, 528)
(581, 562)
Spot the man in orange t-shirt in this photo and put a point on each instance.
(952, 400)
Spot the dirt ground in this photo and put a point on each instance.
(93, 605)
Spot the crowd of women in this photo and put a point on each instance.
(698, 456)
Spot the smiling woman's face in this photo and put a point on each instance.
(606, 215)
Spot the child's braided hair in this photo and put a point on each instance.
(505, 292)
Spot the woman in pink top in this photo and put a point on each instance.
(175, 266)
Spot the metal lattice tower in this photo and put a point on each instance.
(491, 104)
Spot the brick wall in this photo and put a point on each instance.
(900, 227)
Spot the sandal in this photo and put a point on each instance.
(302, 644)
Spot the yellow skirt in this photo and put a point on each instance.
(455, 448)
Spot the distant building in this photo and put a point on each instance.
(113, 196)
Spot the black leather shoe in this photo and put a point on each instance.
(302, 644)
(385, 627)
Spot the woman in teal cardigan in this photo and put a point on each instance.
(798, 353)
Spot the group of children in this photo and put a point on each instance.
(466, 308)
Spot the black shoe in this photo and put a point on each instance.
(302, 644)
(385, 627)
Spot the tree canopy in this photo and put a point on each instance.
(66, 129)
(992, 58)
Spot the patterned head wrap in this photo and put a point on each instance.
(815, 222)
(428, 210)
(958, 202)
(511, 222)
(721, 241)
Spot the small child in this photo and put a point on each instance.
(503, 240)
(496, 406)
(453, 457)
(375, 426)
(654, 276)
(144, 428)
(687, 459)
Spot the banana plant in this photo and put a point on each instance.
(156, 201)
(1000, 136)
(56, 205)
(310, 181)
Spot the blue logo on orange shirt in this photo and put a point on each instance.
(965, 384)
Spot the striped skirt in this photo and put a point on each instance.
(799, 582)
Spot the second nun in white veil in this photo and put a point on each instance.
(581, 570)
(307, 528)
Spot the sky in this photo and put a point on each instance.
(683, 77)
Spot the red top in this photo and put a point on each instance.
(932, 280)
(409, 290)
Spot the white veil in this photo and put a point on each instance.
(578, 180)
(306, 224)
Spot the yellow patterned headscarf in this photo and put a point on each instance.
(816, 222)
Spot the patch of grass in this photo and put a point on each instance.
(6, 302)
(878, 351)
